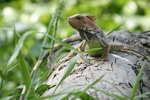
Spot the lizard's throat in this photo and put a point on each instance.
(86, 36)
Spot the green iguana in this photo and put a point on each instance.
(93, 37)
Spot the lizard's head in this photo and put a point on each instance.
(82, 23)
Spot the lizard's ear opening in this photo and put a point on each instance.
(91, 17)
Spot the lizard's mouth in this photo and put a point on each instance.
(72, 24)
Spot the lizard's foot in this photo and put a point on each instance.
(80, 61)
(102, 59)
(105, 59)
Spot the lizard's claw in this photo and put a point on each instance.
(105, 59)
(102, 59)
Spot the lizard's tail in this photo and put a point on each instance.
(136, 52)
(54, 68)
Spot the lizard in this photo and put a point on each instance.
(93, 37)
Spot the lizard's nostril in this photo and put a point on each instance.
(68, 18)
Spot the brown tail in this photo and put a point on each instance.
(137, 52)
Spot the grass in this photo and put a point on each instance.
(33, 91)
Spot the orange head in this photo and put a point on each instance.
(82, 23)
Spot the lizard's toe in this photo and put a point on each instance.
(102, 59)
(80, 61)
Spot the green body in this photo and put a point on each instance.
(94, 44)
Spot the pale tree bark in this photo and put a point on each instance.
(121, 69)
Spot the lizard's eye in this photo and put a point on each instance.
(78, 18)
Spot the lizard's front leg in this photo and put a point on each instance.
(106, 50)
(81, 48)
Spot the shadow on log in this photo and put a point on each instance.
(121, 69)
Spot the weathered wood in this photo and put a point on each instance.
(121, 69)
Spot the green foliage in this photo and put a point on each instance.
(84, 96)
(20, 49)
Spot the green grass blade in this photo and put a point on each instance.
(9, 91)
(84, 96)
(89, 87)
(42, 79)
(113, 29)
(41, 89)
(31, 54)
(67, 70)
(10, 97)
(7, 98)
(65, 90)
(95, 49)
(18, 47)
(13, 66)
(140, 96)
(135, 87)
(110, 94)
(51, 96)
(116, 88)
(24, 71)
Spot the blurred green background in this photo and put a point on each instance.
(34, 15)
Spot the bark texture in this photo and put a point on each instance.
(121, 69)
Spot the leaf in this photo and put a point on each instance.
(42, 79)
(31, 54)
(95, 49)
(25, 72)
(135, 87)
(2, 75)
(84, 96)
(110, 94)
(41, 89)
(116, 88)
(2, 64)
(65, 90)
(9, 91)
(113, 29)
(17, 49)
(140, 96)
(67, 70)
(88, 87)
(51, 96)
(7, 98)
